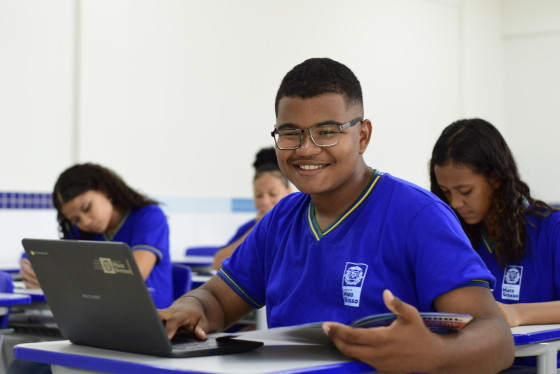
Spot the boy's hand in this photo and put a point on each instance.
(407, 343)
(186, 313)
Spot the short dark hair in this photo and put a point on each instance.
(317, 76)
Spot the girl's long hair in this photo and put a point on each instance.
(477, 144)
(81, 178)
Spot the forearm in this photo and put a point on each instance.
(483, 346)
(537, 313)
(145, 260)
(212, 308)
(28, 275)
(222, 306)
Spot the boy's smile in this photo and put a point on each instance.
(321, 170)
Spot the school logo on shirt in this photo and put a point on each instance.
(511, 285)
(352, 282)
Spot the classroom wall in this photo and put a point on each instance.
(531, 39)
(177, 96)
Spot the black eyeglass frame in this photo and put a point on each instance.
(344, 126)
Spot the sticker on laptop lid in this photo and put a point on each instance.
(110, 266)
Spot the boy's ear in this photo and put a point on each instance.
(365, 134)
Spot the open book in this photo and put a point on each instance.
(437, 322)
(312, 333)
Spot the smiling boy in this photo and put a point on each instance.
(347, 242)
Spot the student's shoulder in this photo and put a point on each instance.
(148, 211)
(405, 188)
(291, 202)
(549, 222)
(407, 199)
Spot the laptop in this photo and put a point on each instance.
(99, 299)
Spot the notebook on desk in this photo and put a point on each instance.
(98, 298)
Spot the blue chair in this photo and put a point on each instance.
(6, 285)
(202, 251)
(182, 279)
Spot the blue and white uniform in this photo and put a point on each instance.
(395, 236)
(146, 228)
(537, 276)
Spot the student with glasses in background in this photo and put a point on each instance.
(353, 242)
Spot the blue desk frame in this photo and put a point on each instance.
(7, 298)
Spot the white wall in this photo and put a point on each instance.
(177, 96)
(36, 71)
(531, 36)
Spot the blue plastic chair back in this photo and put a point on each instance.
(202, 251)
(182, 280)
(6, 285)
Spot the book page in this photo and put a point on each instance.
(312, 333)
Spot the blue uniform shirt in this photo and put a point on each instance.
(537, 276)
(395, 236)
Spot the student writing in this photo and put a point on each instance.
(94, 203)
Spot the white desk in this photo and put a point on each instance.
(542, 341)
(7, 299)
(36, 294)
(273, 357)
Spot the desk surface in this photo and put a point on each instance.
(13, 299)
(535, 333)
(273, 357)
(195, 261)
(36, 294)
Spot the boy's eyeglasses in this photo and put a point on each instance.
(324, 135)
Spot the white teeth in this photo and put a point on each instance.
(310, 167)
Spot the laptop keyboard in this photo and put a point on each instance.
(183, 342)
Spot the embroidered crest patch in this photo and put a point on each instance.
(352, 282)
(511, 284)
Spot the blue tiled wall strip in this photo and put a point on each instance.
(29, 200)
(25, 200)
